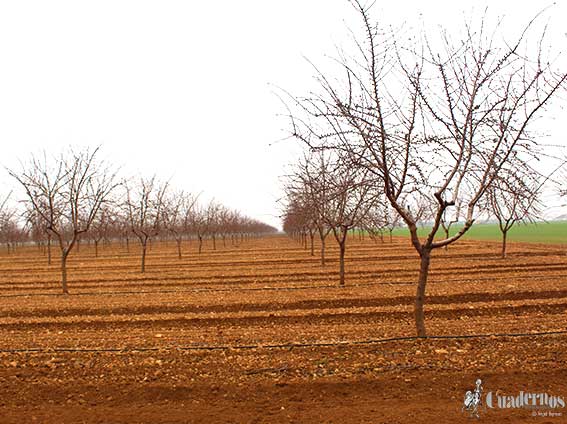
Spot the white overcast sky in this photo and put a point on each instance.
(184, 89)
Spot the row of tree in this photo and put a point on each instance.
(327, 195)
(438, 128)
(77, 197)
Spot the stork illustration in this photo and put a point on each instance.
(472, 400)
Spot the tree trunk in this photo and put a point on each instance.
(322, 250)
(178, 240)
(49, 250)
(64, 272)
(312, 237)
(214, 242)
(342, 248)
(200, 244)
(504, 237)
(96, 248)
(144, 249)
(420, 295)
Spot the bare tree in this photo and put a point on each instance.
(349, 200)
(6, 216)
(66, 193)
(213, 212)
(122, 226)
(310, 185)
(11, 234)
(434, 121)
(295, 217)
(198, 223)
(37, 229)
(176, 216)
(144, 207)
(102, 226)
(514, 198)
(10, 231)
(230, 222)
(379, 219)
(300, 212)
(347, 197)
(251, 227)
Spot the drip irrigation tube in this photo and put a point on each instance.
(285, 345)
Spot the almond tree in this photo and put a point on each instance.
(251, 227)
(66, 193)
(311, 187)
(6, 216)
(514, 198)
(177, 213)
(229, 220)
(10, 231)
(294, 217)
(102, 226)
(198, 224)
(37, 230)
(299, 214)
(144, 208)
(349, 199)
(122, 226)
(435, 121)
(380, 218)
(212, 213)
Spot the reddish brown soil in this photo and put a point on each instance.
(261, 333)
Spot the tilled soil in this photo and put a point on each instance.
(260, 332)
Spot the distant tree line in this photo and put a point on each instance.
(77, 198)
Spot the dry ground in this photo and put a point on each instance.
(261, 333)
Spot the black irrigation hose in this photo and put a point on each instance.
(212, 290)
(284, 345)
(191, 290)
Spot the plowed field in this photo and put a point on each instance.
(260, 332)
